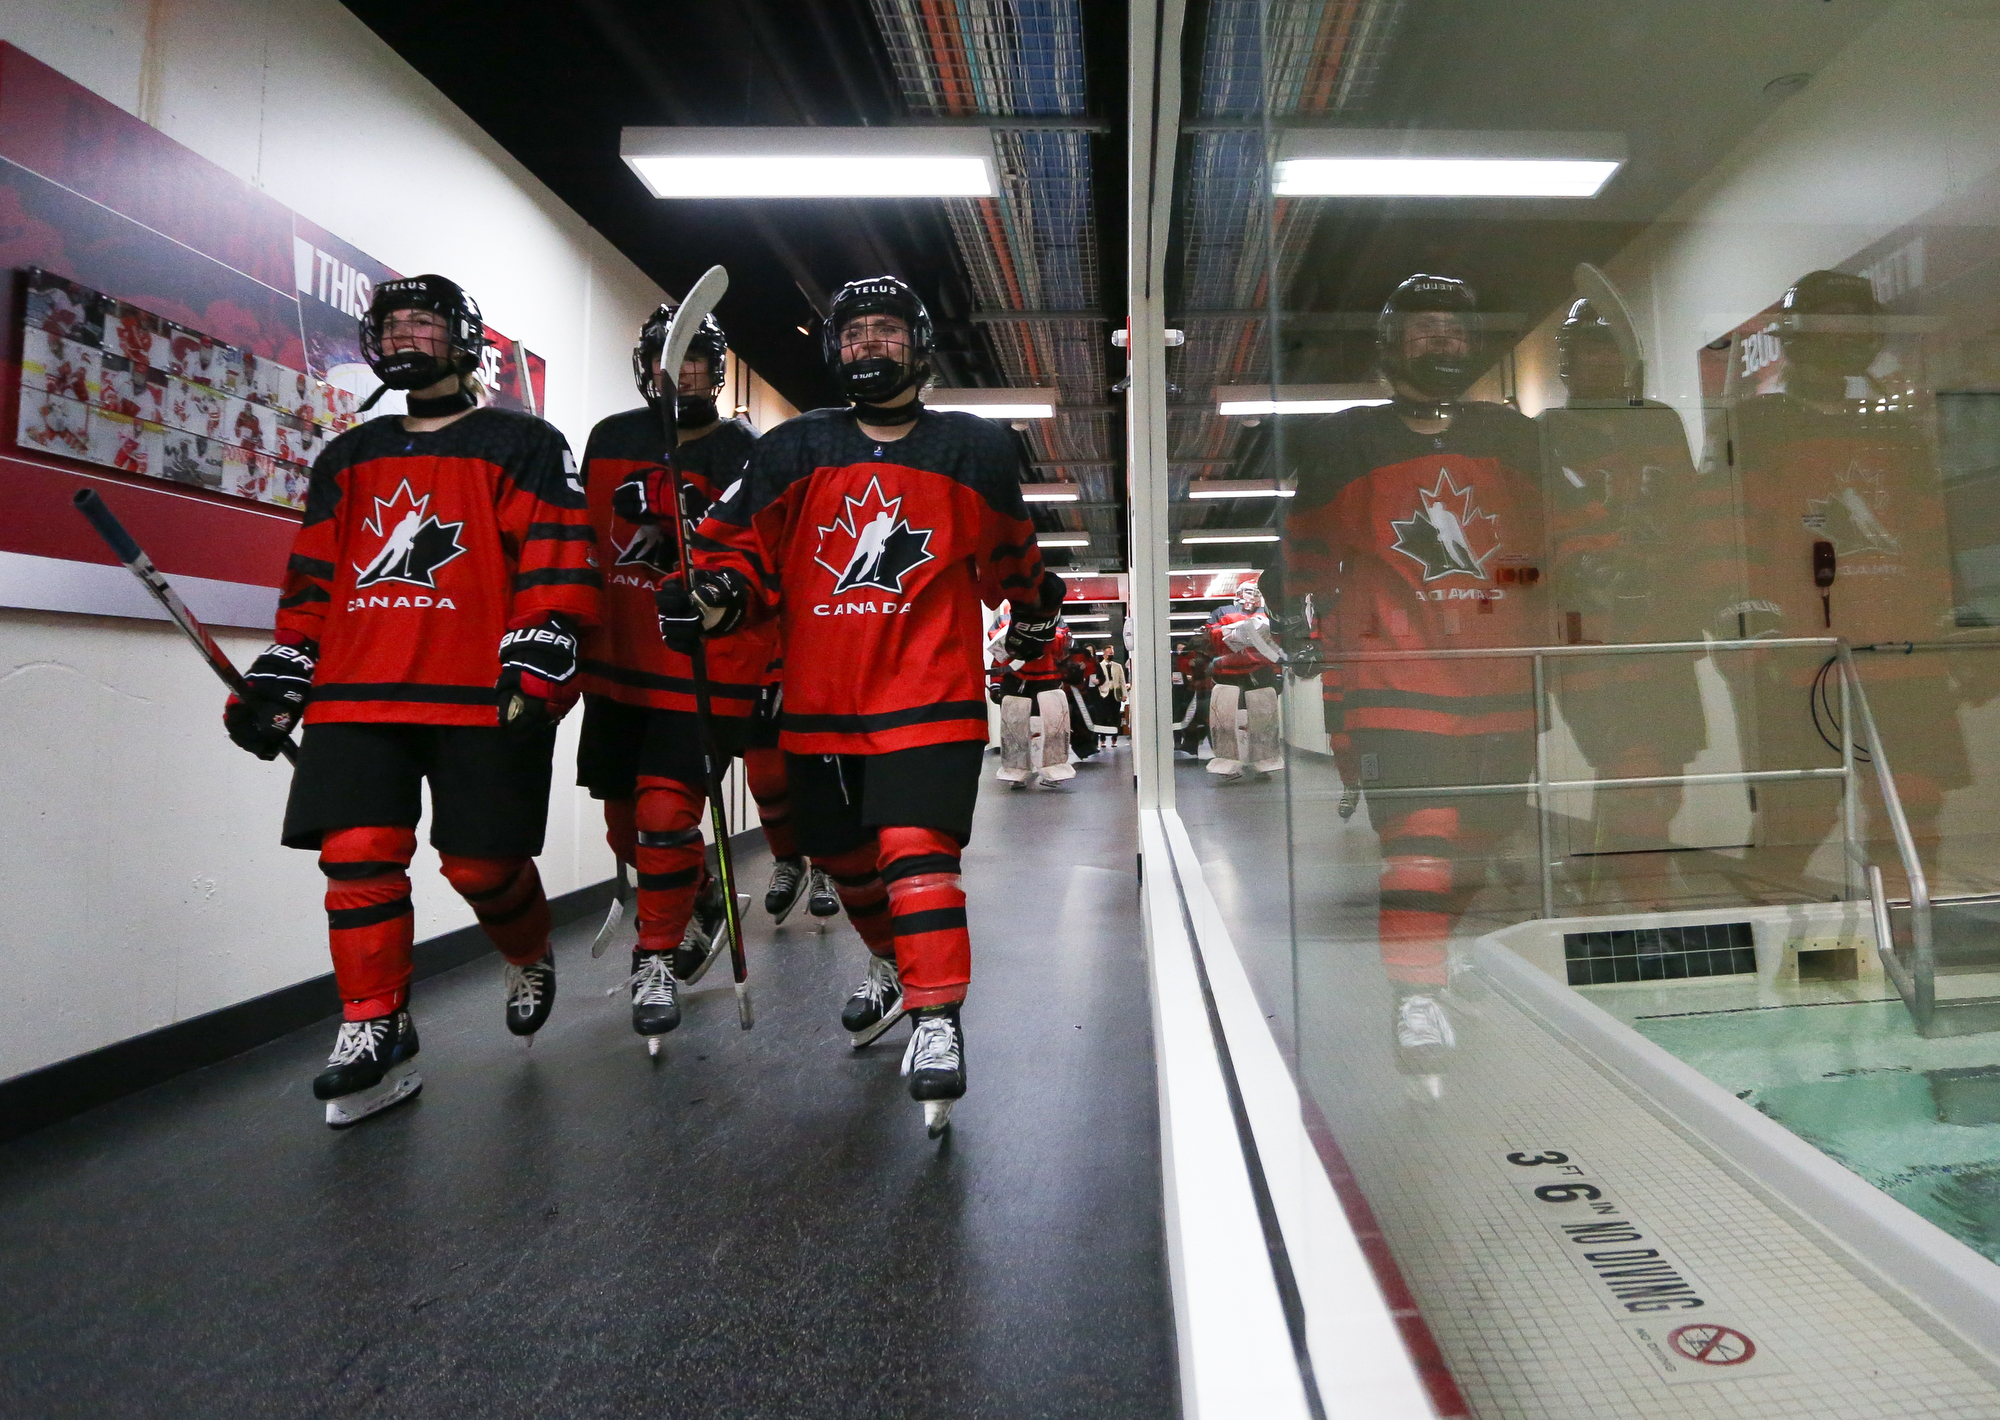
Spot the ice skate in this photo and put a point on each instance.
(1350, 800)
(934, 1064)
(821, 899)
(875, 1005)
(705, 937)
(788, 885)
(656, 1005)
(1424, 1035)
(373, 1066)
(531, 995)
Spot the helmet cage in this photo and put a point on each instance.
(465, 332)
(1436, 376)
(878, 377)
(708, 341)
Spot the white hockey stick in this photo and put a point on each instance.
(1594, 286)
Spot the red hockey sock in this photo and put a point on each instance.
(1419, 903)
(860, 889)
(621, 830)
(927, 912)
(765, 771)
(668, 823)
(370, 926)
(506, 896)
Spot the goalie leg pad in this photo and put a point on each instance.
(371, 928)
(857, 881)
(1054, 758)
(1265, 753)
(505, 894)
(927, 907)
(1015, 763)
(668, 824)
(1222, 703)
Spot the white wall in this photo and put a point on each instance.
(140, 874)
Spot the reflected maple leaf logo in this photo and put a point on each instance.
(1447, 533)
(415, 544)
(870, 544)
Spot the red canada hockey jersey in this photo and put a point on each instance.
(1414, 542)
(624, 658)
(876, 557)
(418, 551)
(1227, 659)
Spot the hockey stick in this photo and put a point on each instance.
(620, 892)
(1594, 286)
(141, 566)
(688, 317)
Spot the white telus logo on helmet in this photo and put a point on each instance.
(870, 544)
(415, 544)
(1447, 533)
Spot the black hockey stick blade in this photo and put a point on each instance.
(128, 551)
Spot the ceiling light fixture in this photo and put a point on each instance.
(994, 404)
(1062, 542)
(1239, 488)
(1236, 400)
(811, 162)
(1050, 492)
(1397, 163)
(1204, 539)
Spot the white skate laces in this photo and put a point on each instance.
(933, 1046)
(1421, 1021)
(358, 1038)
(882, 982)
(524, 987)
(651, 982)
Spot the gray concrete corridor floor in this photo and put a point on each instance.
(754, 1225)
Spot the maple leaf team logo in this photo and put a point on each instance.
(871, 545)
(1447, 533)
(415, 545)
(1850, 515)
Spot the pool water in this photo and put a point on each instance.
(1919, 1119)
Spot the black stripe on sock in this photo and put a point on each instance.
(667, 882)
(933, 919)
(896, 869)
(344, 919)
(352, 872)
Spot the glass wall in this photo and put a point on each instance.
(1585, 507)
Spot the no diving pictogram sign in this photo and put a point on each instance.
(1712, 1345)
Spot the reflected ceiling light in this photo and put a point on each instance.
(994, 404)
(1394, 163)
(1207, 572)
(1187, 616)
(1072, 620)
(1062, 542)
(1090, 635)
(1294, 399)
(1239, 488)
(1198, 539)
(811, 162)
(1044, 492)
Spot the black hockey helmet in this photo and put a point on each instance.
(709, 342)
(1437, 376)
(1827, 353)
(1585, 338)
(465, 332)
(879, 377)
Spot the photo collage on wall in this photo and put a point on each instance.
(109, 383)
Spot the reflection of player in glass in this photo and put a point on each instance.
(1829, 449)
(1244, 674)
(1632, 529)
(1417, 527)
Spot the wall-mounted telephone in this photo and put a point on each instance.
(1824, 568)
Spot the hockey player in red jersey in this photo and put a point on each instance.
(640, 750)
(874, 533)
(1417, 527)
(1244, 670)
(427, 632)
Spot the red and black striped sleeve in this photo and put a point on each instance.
(307, 591)
(545, 521)
(1010, 559)
(745, 529)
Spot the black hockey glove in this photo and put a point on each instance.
(537, 684)
(713, 605)
(279, 681)
(641, 494)
(1034, 628)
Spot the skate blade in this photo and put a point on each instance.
(714, 950)
(859, 1039)
(653, 1043)
(398, 1085)
(937, 1116)
(612, 918)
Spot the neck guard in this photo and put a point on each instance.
(441, 406)
(1422, 408)
(888, 417)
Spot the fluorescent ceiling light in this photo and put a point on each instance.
(994, 404)
(1295, 399)
(1048, 492)
(1402, 163)
(1239, 488)
(811, 162)
(1187, 616)
(1197, 539)
(1062, 542)
(1089, 617)
(1090, 635)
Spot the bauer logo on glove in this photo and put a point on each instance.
(537, 684)
(278, 683)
